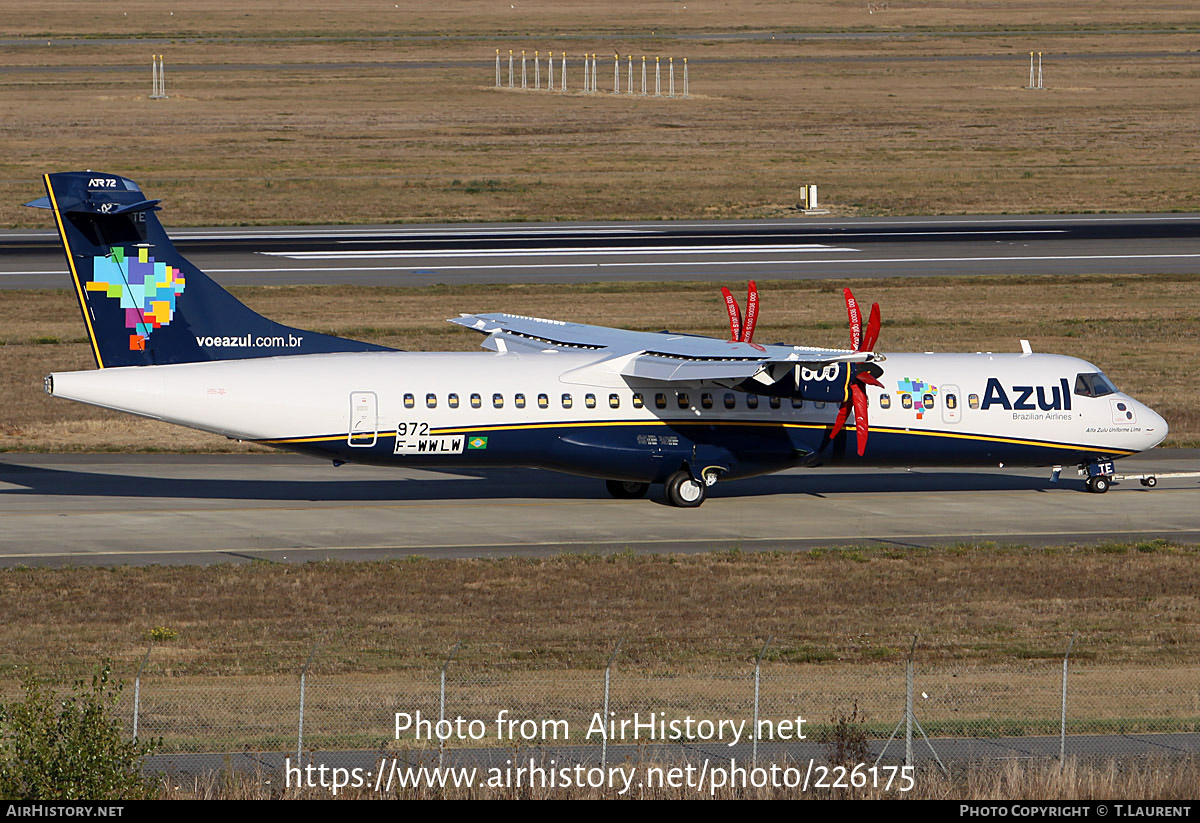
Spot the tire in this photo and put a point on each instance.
(684, 492)
(1150, 482)
(626, 489)
(1099, 484)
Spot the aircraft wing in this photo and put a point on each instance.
(663, 356)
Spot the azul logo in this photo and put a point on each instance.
(1027, 398)
(145, 288)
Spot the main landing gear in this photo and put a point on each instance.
(682, 489)
(627, 489)
(685, 491)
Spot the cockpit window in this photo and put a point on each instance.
(1093, 385)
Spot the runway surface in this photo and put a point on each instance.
(113, 509)
(795, 248)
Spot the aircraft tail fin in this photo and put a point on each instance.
(143, 303)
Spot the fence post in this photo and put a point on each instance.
(757, 670)
(607, 684)
(442, 704)
(1062, 729)
(303, 682)
(137, 691)
(908, 704)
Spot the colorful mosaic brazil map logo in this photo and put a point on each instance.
(146, 289)
(917, 389)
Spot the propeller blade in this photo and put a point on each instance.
(869, 379)
(855, 320)
(840, 422)
(872, 336)
(860, 416)
(735, 315)
(751, 313)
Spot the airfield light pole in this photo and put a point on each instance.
(607, 683)
(550, 72)
(671, 63)
(629, 74)
(523, 83)
(657, 77)
(1039, 85)
(595, 79)
(1030, 86)
(303, 682)
(685, 78)
(587, 83)
(510, 69)
(137, 691)
(616, 74)
(537, 69)
(497, 68)
(1062, 729)
(643, 75)
(757, 673)
(442, 704)
(563, 72)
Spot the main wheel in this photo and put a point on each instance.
(1150, 482)
(684, 491)
(1099, 484)
(626, 489)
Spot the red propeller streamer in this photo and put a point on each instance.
(751, 313)
(735, 315)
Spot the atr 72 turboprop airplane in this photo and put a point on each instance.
(632, 408)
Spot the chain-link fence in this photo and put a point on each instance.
(711, 698)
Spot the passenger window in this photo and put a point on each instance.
(660, 401)
(431, 401)
(797, 402)
(638, 402)
(498, 401)
(906, 400)
(543, 401)
(706, 400)
(589, 400)
(973, 401)
(885, 401)
(567, 402)
(519, 401)
(927, 400)
(730, 400)
(775, 402)
(476, 401)
(452, 401)
(952, 401)
(409, 400)
(752, 401)
(614, 402)
(818, 404)
(684, 400)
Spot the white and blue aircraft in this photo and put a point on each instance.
(631, 408)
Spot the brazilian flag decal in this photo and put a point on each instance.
(477, 443)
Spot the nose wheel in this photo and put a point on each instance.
(1099, 484)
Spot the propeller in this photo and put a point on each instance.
(858, 395)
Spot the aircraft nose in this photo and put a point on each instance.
(1155, 427)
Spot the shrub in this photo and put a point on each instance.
(70, 748)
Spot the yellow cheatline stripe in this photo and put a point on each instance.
(742, 423)
(83, 306)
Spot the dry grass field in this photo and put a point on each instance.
(1133, 605)
(296, 112)
(1139, 329)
